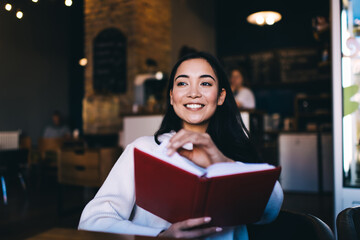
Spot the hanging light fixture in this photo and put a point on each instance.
(264, 18)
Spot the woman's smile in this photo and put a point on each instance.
(194, 106)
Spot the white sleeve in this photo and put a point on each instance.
(111, 208)
(273, 206)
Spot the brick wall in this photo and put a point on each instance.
(147, 26)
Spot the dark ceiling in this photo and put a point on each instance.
(236, 36)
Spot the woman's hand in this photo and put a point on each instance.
(188, 229)
(204, 151)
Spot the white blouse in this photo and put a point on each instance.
(246, 97)
(113, 209)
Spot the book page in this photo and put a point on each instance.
(222, 169)
(176, 159)
(218, 169)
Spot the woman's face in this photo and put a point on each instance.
(195, 95)
(236, 78)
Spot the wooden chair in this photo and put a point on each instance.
(49, 149)
(48, 152)
(85, 168)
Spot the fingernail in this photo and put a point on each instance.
(207, 219)
(218, 229)
(168, 152)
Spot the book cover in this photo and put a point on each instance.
(230, 193)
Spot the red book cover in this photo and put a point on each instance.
(175, 194)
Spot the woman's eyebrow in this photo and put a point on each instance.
(182, 75)
(207, 76)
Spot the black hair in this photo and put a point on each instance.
(185, 50)
(226, 127)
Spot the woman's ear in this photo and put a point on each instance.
(222, 97)
(171, 97)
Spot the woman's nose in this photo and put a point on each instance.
(194, 92)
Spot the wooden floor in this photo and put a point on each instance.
(36, 210)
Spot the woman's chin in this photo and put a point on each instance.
(196, 122)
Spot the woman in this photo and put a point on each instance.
(199, 112)
(244, 97)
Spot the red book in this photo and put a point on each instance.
(228, 197)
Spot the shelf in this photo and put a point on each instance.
(314, 115)
(322, 85)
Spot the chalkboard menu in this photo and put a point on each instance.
(298, 65)
(109, 72)
(281, 65)
(263, 67)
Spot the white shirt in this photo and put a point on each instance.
(246, 98)
(113, 209)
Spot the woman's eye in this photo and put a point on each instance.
(206, 84)
(181, 84)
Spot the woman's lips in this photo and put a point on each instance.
(194, 106)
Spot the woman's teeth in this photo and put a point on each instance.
(193, 106)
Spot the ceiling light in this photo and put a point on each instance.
(259, 20)
(83, 62)
(19, 14)
(8, 7)
(35, 1)
(68, 3)
(264, 17)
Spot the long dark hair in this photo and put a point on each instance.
(226, 127)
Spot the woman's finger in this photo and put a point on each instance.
(197, 156)
(202, 232)
(179, 140)
(186, 153)
(185, 135)
(191, 228)
(193, 222)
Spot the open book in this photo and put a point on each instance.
(176, 189)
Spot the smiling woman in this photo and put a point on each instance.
(199, 113)
(200, 99)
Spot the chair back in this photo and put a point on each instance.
(292, 225)
(348, 224)
(49, 144)
(49, 148)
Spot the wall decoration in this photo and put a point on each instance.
(109, 72)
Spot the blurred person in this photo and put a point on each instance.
(244, 97)
(57, 129)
